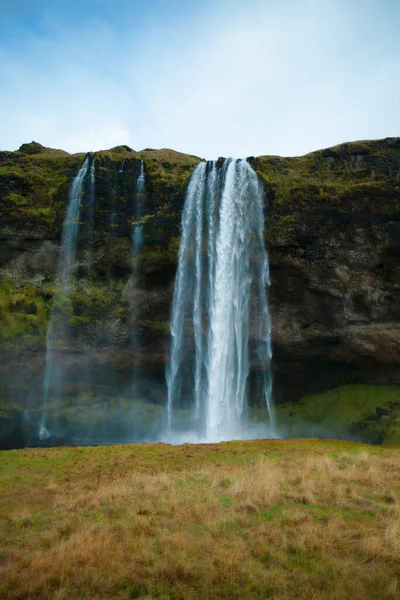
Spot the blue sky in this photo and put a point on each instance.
(212, 78)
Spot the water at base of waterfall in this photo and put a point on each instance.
(220, 296)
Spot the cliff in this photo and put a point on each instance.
(332, 233)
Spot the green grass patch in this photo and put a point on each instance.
(366, 412)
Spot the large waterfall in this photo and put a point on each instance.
(220, 295)
(58, 323)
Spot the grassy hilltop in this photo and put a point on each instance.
(311, 520)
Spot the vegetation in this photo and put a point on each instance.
(162, 326)
(33, 186)
(263, 519)
(34, 181)
(23, 312)
(349, 178)
(370, 413)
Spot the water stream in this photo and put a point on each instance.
(59, 319)
(220, 294)
(138, 232)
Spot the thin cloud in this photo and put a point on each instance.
(221, 79)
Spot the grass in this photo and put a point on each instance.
(369, 413)
(264, 519)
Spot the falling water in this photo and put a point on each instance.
(59, 314)
(137, 242)
(90, 216)
(194, 196)
(137, 233)
(221, 287)
(91, 196)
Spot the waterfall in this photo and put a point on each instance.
(90, 216)
(136, 244)
(182, 288)
(138, 232)
(92, 174)
(220, 288)
(59, 315)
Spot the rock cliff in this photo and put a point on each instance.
(332, 230)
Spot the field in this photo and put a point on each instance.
(306, 519)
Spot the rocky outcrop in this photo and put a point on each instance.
(333, 237)
(332, 232)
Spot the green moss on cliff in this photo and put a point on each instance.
(161, 326)
(365, 412)
(156, 257)
(23, 312)
(33, 187)
(93, 302)
(356, 178)
(77, 322)
(121, 254)
(34, 184)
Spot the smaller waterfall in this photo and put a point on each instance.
(90, 198)
(136, 245)
(221, 287)
(58, 322)
(138, 232)
(92, 190)
(70, 229)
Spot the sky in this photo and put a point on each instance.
(207, 77)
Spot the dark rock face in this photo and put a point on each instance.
(343, 313)
(332, 233)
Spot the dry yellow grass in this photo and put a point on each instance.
(281, 520)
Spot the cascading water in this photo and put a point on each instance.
(59, 315)
(137, 242)
(138, 232)
(91, 196)
(221, 288)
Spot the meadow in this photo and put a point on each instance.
(279, 519)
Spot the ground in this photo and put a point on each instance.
(282, 519)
